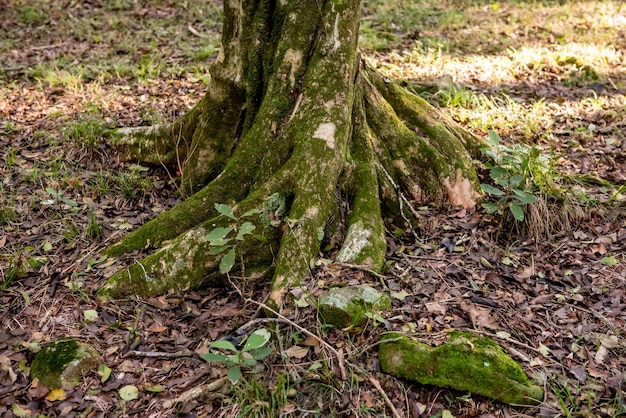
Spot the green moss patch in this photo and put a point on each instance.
(62, 363)
(465, 363)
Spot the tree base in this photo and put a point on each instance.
(321, 148)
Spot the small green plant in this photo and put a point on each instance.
(87, 133)
(94, 229)
(57, 197)
(513, 169)
(10, 159)
(7, 213)
(131, 185)
(70, 232)
(99, 184)
(77, 286)
(220, 241)
(15, 270)
(253, 350)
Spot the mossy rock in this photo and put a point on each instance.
(465, 363)
(347, 306)
(62, 363)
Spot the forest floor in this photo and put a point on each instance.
(548, 74)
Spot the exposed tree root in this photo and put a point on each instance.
(315, 131)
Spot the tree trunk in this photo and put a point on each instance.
(293, 128)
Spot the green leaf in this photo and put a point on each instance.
(446, 414)
(517, 211)
(19, 411)
(226, 345)
(215, 250)
(218, 234)
(515, 180)
(105, 372)
(225, 210)
(493, 137)
(245, 229)
(609, 261)
(302, 302)
(90, 315)
(257, 339)
(54, 193)
(68, 202)
(129, 392)
(25, 296)
(507, 261)
(155, 388)
(251, 212)
(248, 360)
(234, 374)
(216, 357)
(401, 295)
(497, 173)
(524, 197)
(47, 246)
(545, 351)
(261, 353)
(228, 261)
(491, 207)
(220, 242)
(488, 188)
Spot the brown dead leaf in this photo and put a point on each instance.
(609, 341)
(480, 317)
(526, 273)
(369, 399)
(310, 341)
(436, 308)
(297, 351)
(600, 355)
(157, 328)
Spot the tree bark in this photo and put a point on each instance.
(293, 128)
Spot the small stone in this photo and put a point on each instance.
(347, 306)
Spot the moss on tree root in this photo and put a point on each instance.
(314, 122)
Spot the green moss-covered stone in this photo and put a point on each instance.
(62, 363)
(465, 363)
(347, 306)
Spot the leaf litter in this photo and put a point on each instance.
(557, 305)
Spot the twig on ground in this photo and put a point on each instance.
(380, 390)
(198, 391)
(43, 47)
(380, 277)
(184, 353)
(508, 339)
(196, 33)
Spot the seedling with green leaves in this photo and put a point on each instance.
(57, 197)
(517, 173)
(221, 239)
(253, 350)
